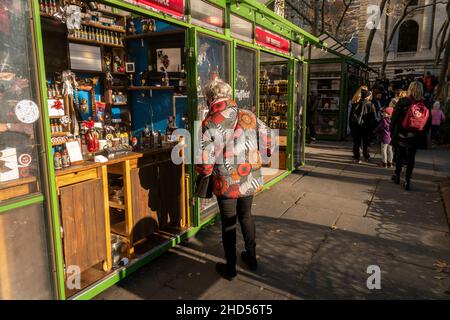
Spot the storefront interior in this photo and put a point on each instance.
(92, 93)
(128, 76)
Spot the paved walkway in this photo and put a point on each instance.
(317, 232)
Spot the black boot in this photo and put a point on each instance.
(226, 271)
(396, 178)
(250, 259)
(407, 184)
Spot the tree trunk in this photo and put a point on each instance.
(372, 35)
(315, 27)
(444, 66)
(391, 38)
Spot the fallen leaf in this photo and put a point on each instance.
(440, 264)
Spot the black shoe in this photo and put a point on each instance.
(396, 178)
(406, 185)
(250, 262)
(225, 271)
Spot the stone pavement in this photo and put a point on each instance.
(317, 232)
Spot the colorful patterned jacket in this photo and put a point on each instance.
(230, 150)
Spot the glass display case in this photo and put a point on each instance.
(325, 90)
(246, 72)
(25, 255)
(273, 103)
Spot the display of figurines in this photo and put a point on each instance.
(134, 143)
(65, 159)
(57, 159)
(165, 82)
(171, 127)
(131, 27)
(92, 137)
(107, 60)
(118, 64)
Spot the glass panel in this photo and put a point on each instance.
(246, 78)
(24, 255)
(325, 89)
(298, 115)
(213, 59)
(207, 15)
(273, 106)
(241, 28)
(19, 112)
(296, 50)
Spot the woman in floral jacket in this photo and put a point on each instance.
(230, 152)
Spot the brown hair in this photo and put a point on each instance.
(357, 97)
(403, 94)
(415, 90)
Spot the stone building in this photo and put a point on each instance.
(413, 48)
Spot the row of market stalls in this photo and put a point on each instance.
(334, 76)
(89, 191)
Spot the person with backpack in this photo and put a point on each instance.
(362, 122)
(409, 121)
(234, 146)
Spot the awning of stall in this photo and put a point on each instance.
(333, 49)
(278, 24)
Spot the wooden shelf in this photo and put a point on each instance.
(87, 41)
(120, 104)
(17, 182)
(150, 88)
(99, 25)
(121, 15)
(116, 205)
(60, 134)
(154, 34)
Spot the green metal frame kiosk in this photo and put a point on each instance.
(257, 51)
(334, 76)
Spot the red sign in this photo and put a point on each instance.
(271, 40)
(173, 7)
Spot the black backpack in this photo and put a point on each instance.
(358, 113)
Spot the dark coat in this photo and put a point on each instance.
(401, 136)
(369, 119)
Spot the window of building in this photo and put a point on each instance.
(408, 36)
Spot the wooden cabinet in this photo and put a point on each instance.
(83, 221)
(145, 217)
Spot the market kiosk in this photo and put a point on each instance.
(90, 132)
(334, 76)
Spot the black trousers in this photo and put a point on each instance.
(360, 137)
(230, 211)
(405, 155)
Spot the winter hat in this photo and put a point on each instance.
(389, 111)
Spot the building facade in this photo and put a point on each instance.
(413, 48)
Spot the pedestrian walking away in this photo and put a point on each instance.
(362, 122)
(234, 162)
(384, 135)
(408, 122)
(437, 119)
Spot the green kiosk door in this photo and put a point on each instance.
(25, 250)
(299, 113)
